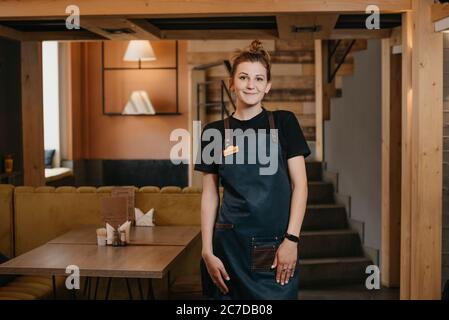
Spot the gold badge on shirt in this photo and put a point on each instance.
(230, 150)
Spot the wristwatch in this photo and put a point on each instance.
(291, 237)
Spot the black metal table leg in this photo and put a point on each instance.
(150, 294)
(85, 286)
(108, 288)
(129, 289)
(140, 289)
(96, 288)
(53, 280)
(89, 286)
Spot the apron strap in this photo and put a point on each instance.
(273, 132)
(227, 133)
(274, 135)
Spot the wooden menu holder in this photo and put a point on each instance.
(128, 193)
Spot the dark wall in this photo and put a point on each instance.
(139, 173)
(10, 101)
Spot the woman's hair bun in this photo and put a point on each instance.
(255, 47)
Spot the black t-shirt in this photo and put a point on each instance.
(290, 134)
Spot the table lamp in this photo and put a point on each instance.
(139, 50)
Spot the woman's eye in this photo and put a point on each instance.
(242, 77)
(259, 79)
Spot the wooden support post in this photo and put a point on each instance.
(319, 86)
(32, 114)
(422, 131)
(391, 165)
(326, 92)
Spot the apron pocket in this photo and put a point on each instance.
(224, 225)
(263, 251)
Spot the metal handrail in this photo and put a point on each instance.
(223, 89)
(331, 53)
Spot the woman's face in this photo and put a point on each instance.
(250, 83)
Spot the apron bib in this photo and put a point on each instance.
(251, 223)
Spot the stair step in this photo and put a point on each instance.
(329, 243)
(325, 216)
(314, 172)
(332, 271)
(320, 192)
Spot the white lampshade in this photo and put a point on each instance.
(139, 50)
(139, 103)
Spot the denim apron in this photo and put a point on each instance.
(250, 226)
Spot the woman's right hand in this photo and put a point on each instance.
(217, 271)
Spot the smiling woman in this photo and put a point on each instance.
(250, 248)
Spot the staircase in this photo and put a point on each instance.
(330, 253)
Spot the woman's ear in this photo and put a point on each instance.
(268, 88)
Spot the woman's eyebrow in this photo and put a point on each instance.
(259, 75)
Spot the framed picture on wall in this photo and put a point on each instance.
(140, 77)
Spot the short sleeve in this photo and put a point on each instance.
(296, 142)
(200, 164)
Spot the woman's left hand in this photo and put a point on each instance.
(285, 261)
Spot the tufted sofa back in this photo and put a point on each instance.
(43, 213)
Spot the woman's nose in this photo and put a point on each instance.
(250, 83)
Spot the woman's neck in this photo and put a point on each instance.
(247, 112)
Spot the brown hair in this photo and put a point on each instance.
(254, 53)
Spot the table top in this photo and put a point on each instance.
(154, 236)
(94, 261)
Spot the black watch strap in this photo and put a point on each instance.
(291, 237)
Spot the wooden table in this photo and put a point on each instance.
(142, 236)
(95, 261)
(150, 255)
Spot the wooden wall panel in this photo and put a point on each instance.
(32, 114)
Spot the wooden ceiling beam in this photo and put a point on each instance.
(440, 11)
(360, 34)
(139, 28)
(62, 36)
(219, 34)
(147, 27)
(45, 8)
(9, 33)
(302, 26)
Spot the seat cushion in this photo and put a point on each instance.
(12, 295)
(32, 287)
(36, 292)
